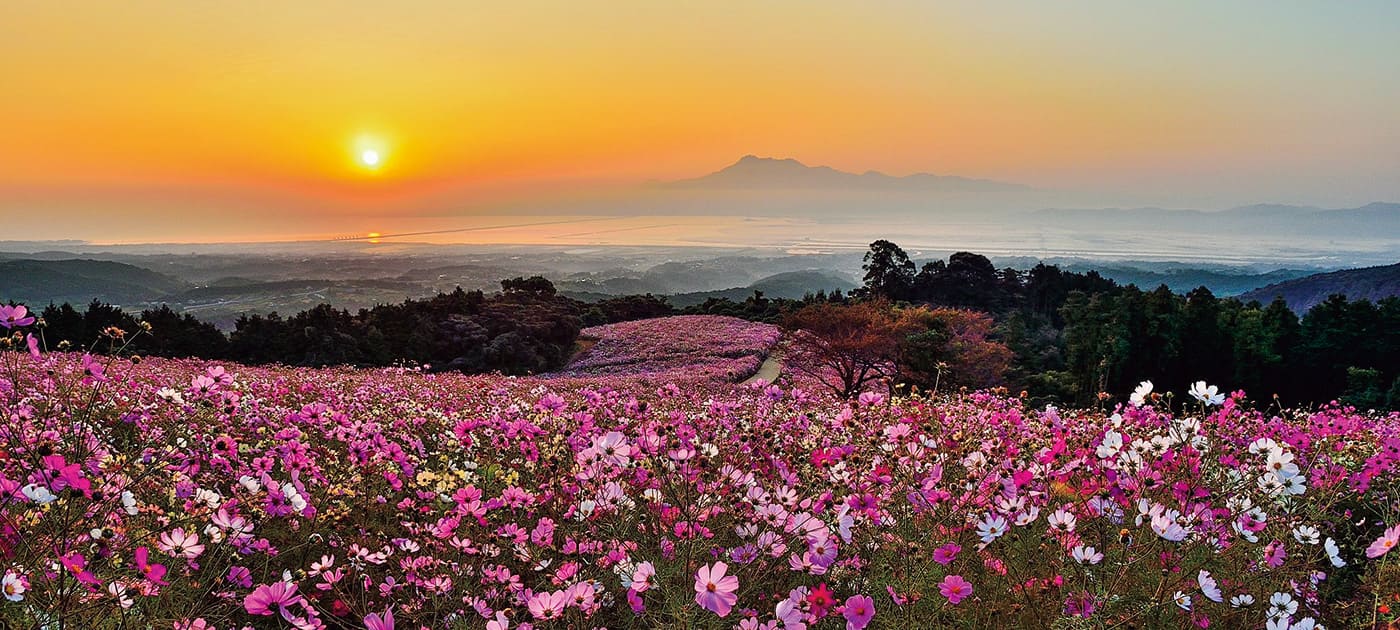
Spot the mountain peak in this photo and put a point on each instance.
(753, 172)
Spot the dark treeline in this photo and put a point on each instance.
(1073, 334)
(524, 329)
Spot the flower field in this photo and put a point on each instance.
(183, 494)
(688, 347)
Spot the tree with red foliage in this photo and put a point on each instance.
(953, 348)
(846, 347)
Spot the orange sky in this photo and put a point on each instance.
(147, 109)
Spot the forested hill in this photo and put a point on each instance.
(1369, 283)
(79, 280)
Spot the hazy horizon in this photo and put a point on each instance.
(152, 122)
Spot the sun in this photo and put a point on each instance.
(369, 152)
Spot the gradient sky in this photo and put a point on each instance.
(165, 119)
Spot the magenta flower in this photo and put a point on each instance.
(240, 576)
(277, 595)
(955, 588)
(1385, 543)
(93, 372)
(76, 564)
(858, 611)
(153, 572)
(714, 590)
(1081, 605)
(946, 554)
(15, 316)
(374, 621)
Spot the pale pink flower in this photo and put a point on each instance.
(955, 588)
(1385, 543)
(714, 590)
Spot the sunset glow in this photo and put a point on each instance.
(291, 114)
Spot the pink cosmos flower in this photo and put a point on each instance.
(277, 595)
(374, 621)
(859, 610)
(180, 544)
(33, 343)
(499, 622)
(946, 554)
(548, 605)
(153, 572)
(1275, 554)
(820, 600)
(641, 578)
(613, 448)
(76, 564)
(714, 590)
(1385, 543)
(1081, 605)
(955, 588)
(15, 316)
(93, 372)
(240, 576)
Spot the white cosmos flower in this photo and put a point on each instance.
(1262, 445)
(38, 494)
(1243, 600)
(1166, 525)
(991, 528)
(13, 586)
(1061, 520)
(1307, 534)
(1207, 394)
(1144, 389)
(1111, 445)
(1182, 600)
(1086, 555)
(249, 483)
(118, 590)
(129, 503)
(1282, 605)
(1209, 587)
(1281, 463)
(1334, 554)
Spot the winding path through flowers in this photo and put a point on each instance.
(769, 370)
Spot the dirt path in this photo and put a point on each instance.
(769, 371)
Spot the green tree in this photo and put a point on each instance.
(888, 271)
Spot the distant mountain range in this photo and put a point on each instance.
(765, 173)
(1371, 283)
(1374, 220)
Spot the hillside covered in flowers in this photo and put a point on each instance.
(196, 495)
